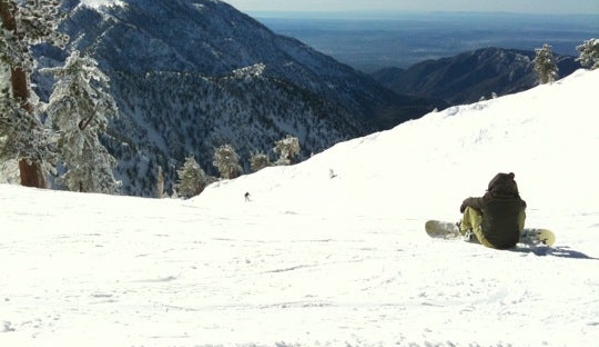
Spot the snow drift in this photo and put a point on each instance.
(329, 252)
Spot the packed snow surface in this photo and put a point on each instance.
(329, 252)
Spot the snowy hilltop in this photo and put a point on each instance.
(328, 252)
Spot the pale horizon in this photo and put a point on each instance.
(527, 7)
(510, 6)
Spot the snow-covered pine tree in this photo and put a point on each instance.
(545, 65)
(259, 161)
(589, 54)
(79, 108)
(226, 161)
(288, 148)
(192, 179)
(22, 135)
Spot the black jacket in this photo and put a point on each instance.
(500, 207)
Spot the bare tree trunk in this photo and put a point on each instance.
(32, 174)
(160, 184)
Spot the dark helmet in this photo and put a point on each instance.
(503, 185)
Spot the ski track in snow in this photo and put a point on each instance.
(345, 262)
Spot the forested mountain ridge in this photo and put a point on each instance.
(189, 76)
(467, 77)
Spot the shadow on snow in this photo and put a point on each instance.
(560, 252)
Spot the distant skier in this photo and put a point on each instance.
(247, 196)
(497, 218)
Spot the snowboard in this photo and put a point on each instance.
(529, 236)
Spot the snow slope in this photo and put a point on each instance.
(330, 252)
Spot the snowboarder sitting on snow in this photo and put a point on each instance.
(497, 218)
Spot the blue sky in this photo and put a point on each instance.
(521, 6)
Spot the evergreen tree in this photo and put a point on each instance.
(259, 161)
(589, 54)
(192, 179)
(79, 107)
(545, 65)
(22, 135)
(226, 161)
(288, 148)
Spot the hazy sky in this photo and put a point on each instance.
(525, 6)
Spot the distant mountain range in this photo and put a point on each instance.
(467, 77)
(189, 76)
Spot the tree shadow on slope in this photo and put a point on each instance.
(560, 252)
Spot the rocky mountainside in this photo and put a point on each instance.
(467, 77)
(191, 75)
